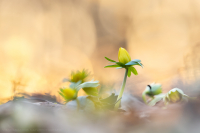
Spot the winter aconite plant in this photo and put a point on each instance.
(94, 100)
(124, 61)
(78, 80)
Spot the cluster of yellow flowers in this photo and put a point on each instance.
(79, 80)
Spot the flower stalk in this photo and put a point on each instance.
(121, 91)
(144, 97)
(126, 63)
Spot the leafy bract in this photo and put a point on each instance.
(93, 91)
(129, 72)
(106, 103)
(134, 62)
(119, 67)
(109, 102)
(88, 84)
(134, 71)
(109, 59)
(75, 84)
(140, 64)
(120, 64)
(112, 66)
(127, 65)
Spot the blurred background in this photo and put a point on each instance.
(42, 41)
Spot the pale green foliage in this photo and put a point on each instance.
(152, 90)
(175, 95)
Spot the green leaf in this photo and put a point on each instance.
(110, 99)
(134, 62)
(106, 103)
(88, 84)
(129, 72)
(109, 102)
(75, 84)
(61, 90)
(109, 59)
(134, 71)
(91, 91)
(120, 64)
(140, 64)
(119, 67)
(111, 66)
(131, 63)
(61, 94)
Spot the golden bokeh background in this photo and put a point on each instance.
(42, 41)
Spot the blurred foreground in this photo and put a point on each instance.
(32, 116)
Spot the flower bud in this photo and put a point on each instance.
(174, 95)
(153, 89)
(123, 56)
(69, 93)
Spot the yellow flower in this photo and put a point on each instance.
(175, 95)
(123, 56)
(79, 75)
(69, 93)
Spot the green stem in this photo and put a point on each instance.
(121, 91)
(144, 97)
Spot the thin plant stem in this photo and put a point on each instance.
(144, 97)
(121, 91)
